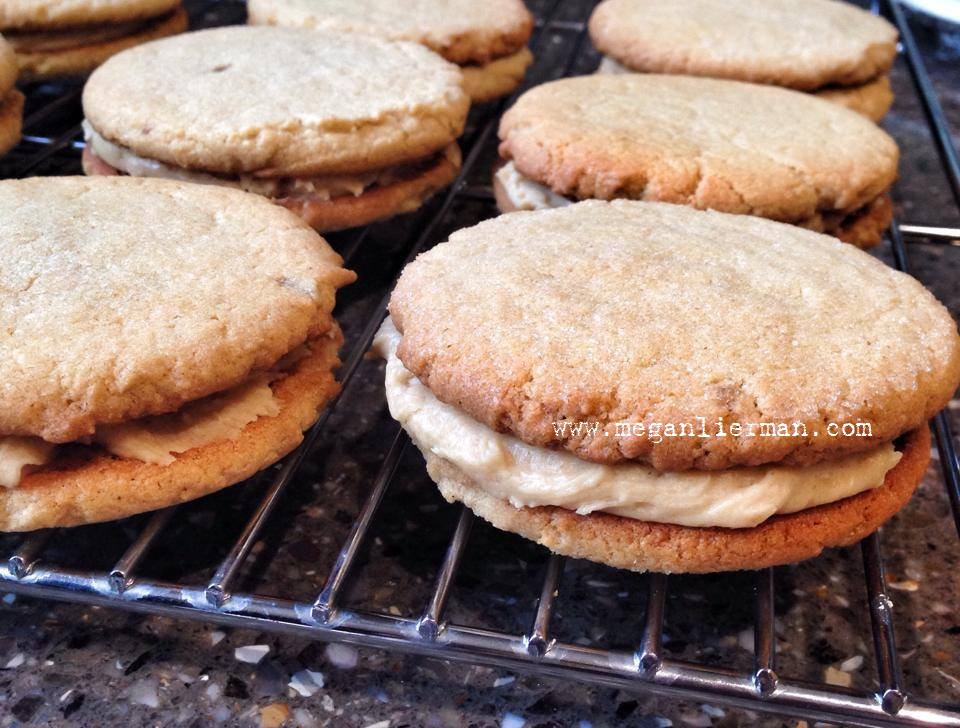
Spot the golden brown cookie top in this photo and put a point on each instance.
(121, 297)
(462, 31)
(277, 101)
(725, 145)
(646, 313)
(803, 45)
(37, 14)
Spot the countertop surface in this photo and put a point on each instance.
(64, 664)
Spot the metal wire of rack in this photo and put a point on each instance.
(51, 145)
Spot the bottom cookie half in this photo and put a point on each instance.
(376, 203)
(379, 202)
(643, 546)
(87, 485)
(863, 228)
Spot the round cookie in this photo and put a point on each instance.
(49, 14)
(462, 31)
(872, 99)
(725, 145)
(801, 45)
(180, 324)
(306, 103)
(11, 120)
(79, 60)
(90, 485)
(633, 312)
(626, 543)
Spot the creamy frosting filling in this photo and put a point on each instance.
(324, 187)
(527, 194)
(218, 417)
(524, 193)
(158, 439)
(529, 476)
(611, 65)
(18, 455)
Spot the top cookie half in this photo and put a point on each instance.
(637, 312)
(804, 45)
(462, 31)
(123, 297)
(710, 143)
(51, 14)
(277, 101)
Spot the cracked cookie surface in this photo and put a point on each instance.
(116, 303)
(639, 312)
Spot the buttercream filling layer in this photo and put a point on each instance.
(529, 476)
(524, 193)
(159, 439)
(323, 187)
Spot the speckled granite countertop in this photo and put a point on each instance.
(74, 665)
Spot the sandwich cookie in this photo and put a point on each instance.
(488, 40)
(341, 129)
(709, 143)
(11, 100)
(829, 48)
(137, 369)
(660, 388)
(53, 38)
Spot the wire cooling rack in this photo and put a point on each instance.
(52, 145)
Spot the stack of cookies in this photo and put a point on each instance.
(54, 38)
(660, 388)
(488, 40)
(827, 47)
(11, 100)
(709, 143)
(677, 387)
(162, 341)
(342, 129)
